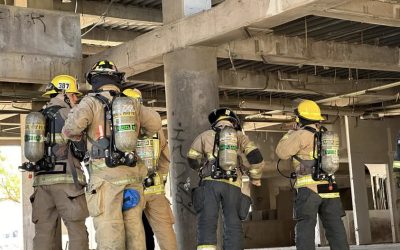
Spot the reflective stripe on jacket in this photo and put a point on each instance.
(202, 150)
(301, 143)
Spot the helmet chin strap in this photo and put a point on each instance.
(67, 100)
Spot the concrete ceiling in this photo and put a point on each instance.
(316, 50)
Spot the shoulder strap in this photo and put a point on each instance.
(310, 129)
(103, 100)
(50, 112)
(107, 107)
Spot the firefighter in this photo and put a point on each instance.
(115, 191)
(59, 188)
(312, 197)
(214, 153)
(154, 151)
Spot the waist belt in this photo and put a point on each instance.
(322, 187)
(307, 180)
(57, 179)
(156, 189)
(236, 183)
(127, 181)
(98, 166)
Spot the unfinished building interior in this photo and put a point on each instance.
(257, 57)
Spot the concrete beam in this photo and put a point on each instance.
(22, 94)
(36, 45)
(90, 49)
(350, 98)
(373, 12)
(272, 82)
(91, 12)
(297, 51)
(26, 68)
(290, 83)
(41, 32)
(176, 9)
(109, 35)
(213, 27)
(289, 107)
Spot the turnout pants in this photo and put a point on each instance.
(49, 203)
(307, 205)
(159, 215)
(207, 199)
(148, 233)
(115, 229)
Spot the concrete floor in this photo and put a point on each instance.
(366, 247)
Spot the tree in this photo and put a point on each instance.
(10, 182)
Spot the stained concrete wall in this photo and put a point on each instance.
(36, 45)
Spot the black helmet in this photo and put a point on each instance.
(224, 114)
(104, 68)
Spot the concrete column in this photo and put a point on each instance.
(27, 190)
(177, 9)
(191, 93)
(362, 226)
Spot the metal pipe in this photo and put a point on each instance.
(14, 112)
(394, 106)
(361, 92)
(269, 120)
(9, 124)
(289, 108)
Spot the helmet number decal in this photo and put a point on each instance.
(63, 85)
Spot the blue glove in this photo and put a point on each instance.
(131, 199)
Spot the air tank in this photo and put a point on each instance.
(330, 152)
(145, 150)
(125, 123)
(35, 125)
(228, 145)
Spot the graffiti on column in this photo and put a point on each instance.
(183, 195)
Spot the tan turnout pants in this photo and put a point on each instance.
(115, 230)
(161, 219)
(49, 203)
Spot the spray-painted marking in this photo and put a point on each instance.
(184, 198)
(183, 195)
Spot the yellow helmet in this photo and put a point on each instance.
(133, 93)
(309, 110)
(62, 84)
